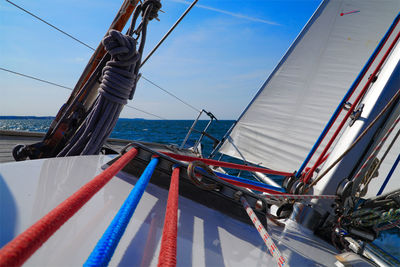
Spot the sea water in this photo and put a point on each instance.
(173, 132)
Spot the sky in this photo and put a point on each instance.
(216, 59)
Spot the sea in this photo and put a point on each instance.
(174, 132)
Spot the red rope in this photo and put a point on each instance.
(167, 256)
(350, 111)
(355, 87)
(227, 164)
(17, 251)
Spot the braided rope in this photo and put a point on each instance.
(105, 247)
(388, 226)
(375, 152)
(119, 79)
(385, 217)
(273, 249)
(167, 257)
(218, 163)
(17, 251)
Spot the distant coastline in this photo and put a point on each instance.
(26, 117)
(45, 118)
(52, 118)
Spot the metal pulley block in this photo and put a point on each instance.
(356, 114)
(284, 211)
(345, 189)
(345, 201)
(288, 182)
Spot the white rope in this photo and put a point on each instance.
(273, 249)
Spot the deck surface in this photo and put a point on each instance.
(9, 139)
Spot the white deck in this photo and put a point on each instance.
(28, 190)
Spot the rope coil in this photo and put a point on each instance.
(118, 84)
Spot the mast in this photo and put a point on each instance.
(356, 163)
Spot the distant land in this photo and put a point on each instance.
(47, 118)
(26, 117)
(52, 118)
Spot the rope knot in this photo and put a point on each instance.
(156, 5)
(119, 76)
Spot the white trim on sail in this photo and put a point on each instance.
(281, 124)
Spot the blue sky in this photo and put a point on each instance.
(216, 59)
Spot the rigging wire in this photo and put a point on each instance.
(51, 25)
(88, 46)
(69, 88)
(34, 78)
(169, 32)
(171, 94)
(333, 164)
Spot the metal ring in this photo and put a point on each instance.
(195, 179)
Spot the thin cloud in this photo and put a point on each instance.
(237, 15)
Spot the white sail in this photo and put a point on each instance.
(280, 126)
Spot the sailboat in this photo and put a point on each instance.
(340, 175)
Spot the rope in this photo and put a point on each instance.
(69, 88)
(388, 105)
(169, 32)
(385, 217)
(369, 177)
(300, 197)
(273, 249)
(17, 251)
(348, 95)
(257, 188)
(83, 43)
(389, 176)
(248, 182)
(119, 79)
(353, 106)
(227, 164)
(388, 226)
(254, 185)
(198, 180)
(167, 257)
(105, 247)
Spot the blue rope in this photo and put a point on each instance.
(105, 247)
(250, 182)
(389, 176)
(246, 181)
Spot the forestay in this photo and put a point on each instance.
(285, 118)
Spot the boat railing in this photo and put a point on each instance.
(202, 133)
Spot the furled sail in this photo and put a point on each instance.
(281, 124)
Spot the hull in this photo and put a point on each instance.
(206, 237)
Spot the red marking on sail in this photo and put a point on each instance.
(350, 12)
